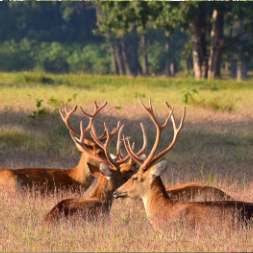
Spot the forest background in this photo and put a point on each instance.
(204, 39)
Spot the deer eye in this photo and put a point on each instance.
(135, 178)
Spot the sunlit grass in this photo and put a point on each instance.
(214, 148)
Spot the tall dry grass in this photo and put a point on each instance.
(214, 148)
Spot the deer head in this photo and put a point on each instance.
(138, 185)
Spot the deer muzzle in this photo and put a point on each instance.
(117, 194)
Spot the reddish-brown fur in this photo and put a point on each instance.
(101, 199)
(192, 190)
(53, 179)
(161, 209)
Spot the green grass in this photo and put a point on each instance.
(215, 147)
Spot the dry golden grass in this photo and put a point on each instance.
(214, 148)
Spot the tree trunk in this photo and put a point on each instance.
(167, 60)
(198, 38)
(119, 59)
(188, 65)
(241, 72)
(226, 68)
(135, 64)
(144, 54)
(197, 53)
(215, 48)
(113, 56)
(172, 69)
(125, 60)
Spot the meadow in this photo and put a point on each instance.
(214, 148)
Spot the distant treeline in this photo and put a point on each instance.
(126, 38)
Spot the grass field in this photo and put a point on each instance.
(215, 147)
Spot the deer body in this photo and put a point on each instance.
(101, 199)
(160, 209)
(54, 179)
(113, 172)
(50, 179)
(190, 191)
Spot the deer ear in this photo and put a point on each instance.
(105, 170)
(113, 156)
(158, 169)
(94, 170)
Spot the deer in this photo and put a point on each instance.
(49, 179)
(160, 209)
(113, 172)
(191, 190)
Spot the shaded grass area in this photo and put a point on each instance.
(213, 148)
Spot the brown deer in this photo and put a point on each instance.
(50, 179)
(113, 172)
(191, 191)
(161, 210)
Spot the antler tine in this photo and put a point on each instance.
(81, 143)
(91, 117)
(144, 140)
(66, 119)
(131, 152)
(176, 132)
(159, 129)
(107, 143)
(118, 153)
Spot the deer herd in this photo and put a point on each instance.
(131, 176)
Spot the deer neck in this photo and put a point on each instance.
(81, 173)
(104, 192)
(156, 201)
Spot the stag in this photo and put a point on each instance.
(46, 179)
(113, 172)
(161, 210)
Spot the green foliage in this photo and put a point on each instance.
(56, 103)
(92, 59)
(39, 113)
(54, 57)
(218, 103)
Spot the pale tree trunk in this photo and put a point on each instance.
(119, 59)
(125, 60)
(226, 66)
(144, 54)
(214, 64)
(241, 71)
(167, 60)
(172, 69)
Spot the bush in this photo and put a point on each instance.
(92, 59)
(54, 57)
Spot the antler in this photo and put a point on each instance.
(119, 157)
(150, 160)
(90, 116)
(81, 143)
